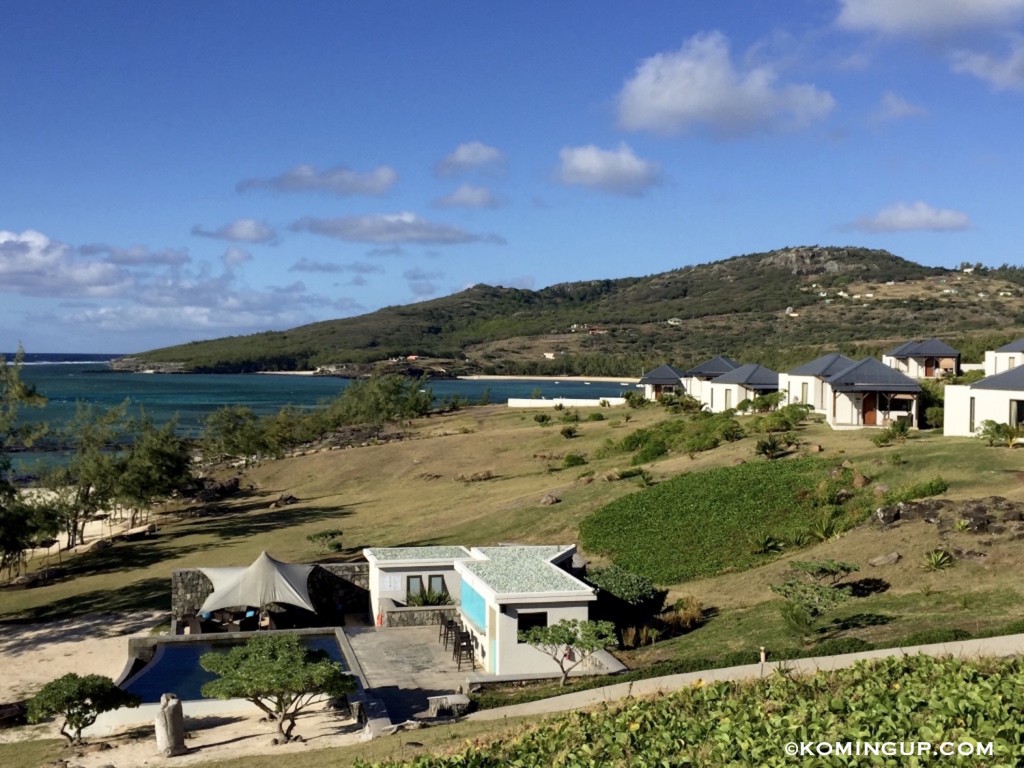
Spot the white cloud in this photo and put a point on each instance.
(359, 267)
(239, 231)
(926, 17)
(699, 85)
(339, 180)
(468, 196)
(1005, 74)
(33, 265)
(894, 107)
(136, 255)
(236, 257)
(916, 216)
(617, 171)
(421, 281)
(471, 156)
(390, 229)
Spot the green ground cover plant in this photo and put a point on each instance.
(700, 524)
(916, 698)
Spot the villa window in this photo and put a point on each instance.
(436, 585)
(528, 621)
(972, 415)
(803, 392)
(414, 585)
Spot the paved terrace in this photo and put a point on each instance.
(405, 665)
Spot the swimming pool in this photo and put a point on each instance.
(175, 668)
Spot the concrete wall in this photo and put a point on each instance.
(416, 616)
(513, 657)
(567, 402)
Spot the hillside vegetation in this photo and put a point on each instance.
(619, 327)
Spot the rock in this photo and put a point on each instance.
(933, 518)
(170, 727)
(548, 499)
(887, 515)
(847, 464)
(843, 494)
(860, 481)
(880, 489)
(890, 559)
(814, 448)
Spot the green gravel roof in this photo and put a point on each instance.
(518, 570)
(384, 554)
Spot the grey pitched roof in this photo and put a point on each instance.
(713, 368)
(1011, 380)
(926, 348)
(1013, 346)
(663, 374)
(826, 365)
(871, 375)
(751, 375)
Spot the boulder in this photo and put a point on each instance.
(890, 559)
(548, 499)
(880, 489)
(860, 481)
(887, 515)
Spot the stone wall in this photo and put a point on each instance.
(415, 615)
(333, 587)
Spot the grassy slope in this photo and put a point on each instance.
(388, 495)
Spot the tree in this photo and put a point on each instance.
(79, 700)
(16, 518)
(570, 642)
(233, 431)
(158, 465)
(277, 674)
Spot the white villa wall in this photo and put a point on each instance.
(989, 404)
(515, 658)
(847, 411)
(721, 397)
(391, 581)
(1001, 362)
(819, 393)
(915, 368)
(566, 402)
(695, 387)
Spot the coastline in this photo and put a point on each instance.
(602, 379)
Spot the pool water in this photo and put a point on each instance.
(175, 667)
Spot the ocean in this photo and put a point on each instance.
(67, 379)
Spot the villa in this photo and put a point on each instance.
(698, 377)
(1004, 358)
(663, 380)
(928, 359)
(870, 394)
(743, 383)
(499, 592)
(998, 398)
(808, 383)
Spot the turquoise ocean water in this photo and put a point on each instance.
(66, 380)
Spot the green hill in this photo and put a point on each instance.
(619, 327)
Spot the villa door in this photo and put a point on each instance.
(929, 366)
(869, 409)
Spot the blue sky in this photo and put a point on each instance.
(184, 170)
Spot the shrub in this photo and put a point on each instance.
(937, 560)
(824, 528)
(429, 597)
(686, 614)
(934, 416)
(569, 432)
(542, 418)
(770, 447)
(837, 646)
(932, 487)
(931, 636)
(651, 451)
(595, 416)
(573, 460)
(763, 543)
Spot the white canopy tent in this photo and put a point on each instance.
(265, 581)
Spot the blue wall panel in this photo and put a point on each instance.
(473, 606)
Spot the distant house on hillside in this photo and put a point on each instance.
(808, 383)
(663, 380)
(928, 359)
(999, 398)
(1004, 358)
(743, 383)
(697, 377)
(871, 394)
